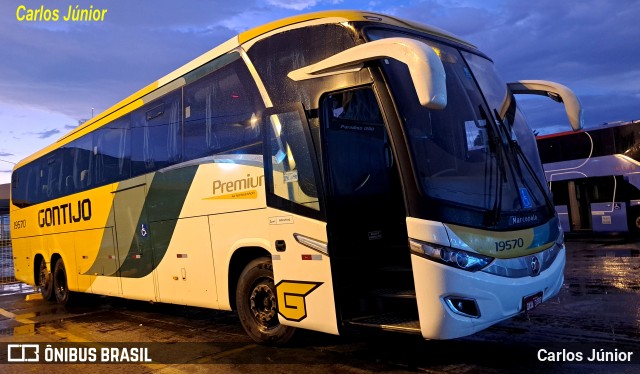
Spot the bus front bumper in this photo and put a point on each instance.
(497, 298)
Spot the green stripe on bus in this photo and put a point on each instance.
(158, 219)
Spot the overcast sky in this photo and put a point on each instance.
(53, 73)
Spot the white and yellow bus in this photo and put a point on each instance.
(329, 170)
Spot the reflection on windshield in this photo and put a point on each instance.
(459, 154)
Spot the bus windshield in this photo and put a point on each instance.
(464, 156)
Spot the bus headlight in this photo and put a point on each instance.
(449, 256)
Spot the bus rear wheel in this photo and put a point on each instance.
(60, 287)
(256, 302)
(45, 281)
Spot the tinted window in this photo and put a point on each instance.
(51, 177)
(293, 176)
(356, 137)
(603, 142)
(90, 161)
(81, 150)
(574, 146)
(220, 113)
(68, 186)
(156, 134)
(27, 187)
(111, 145)
(276, 56)
(560, 191)
(602, 189)
(562, 148)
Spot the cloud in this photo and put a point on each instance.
(80, 66)
(249, 19)
(571, 41)
(460, 19)
(69, 68)
(47, 133)
(584, 45)
(5, 154)
(547, 116)
(295, 5)
(301, 4)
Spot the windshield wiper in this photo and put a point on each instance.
(493, 216)
(508, 139)
(518, 153)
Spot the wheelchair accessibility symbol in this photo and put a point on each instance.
(143, 230)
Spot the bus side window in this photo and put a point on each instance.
(156, 134)
(111, 146)
(82, 153)
(33, 183)
(220, 113)
(17, 188)
(293, 173)
(18, 182)
(67, 187)
(51, 176)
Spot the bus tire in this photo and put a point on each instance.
(60, 286)
(45, 281)
(256, 302)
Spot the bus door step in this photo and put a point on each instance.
(389, 322)
(398, 277)
(396, 269)
(394, 293)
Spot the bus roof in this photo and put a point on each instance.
(135, 100)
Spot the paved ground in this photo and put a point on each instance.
(598, 308)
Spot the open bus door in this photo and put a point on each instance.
(301, 264)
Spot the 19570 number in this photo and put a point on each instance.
(506, 245)
(19, 224)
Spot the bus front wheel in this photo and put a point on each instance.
(45, 281)
(256, 302)
(60, 287)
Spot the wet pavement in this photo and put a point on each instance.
(597, 309)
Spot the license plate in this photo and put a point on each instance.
(532, 301)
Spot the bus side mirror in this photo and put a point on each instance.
(426, 69)
(554, 91)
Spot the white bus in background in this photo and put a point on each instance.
(594, 175)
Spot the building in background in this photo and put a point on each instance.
(6, 256)
(4, 199)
